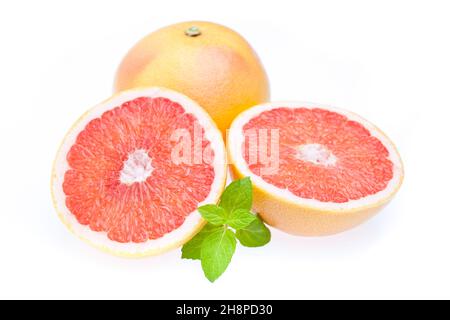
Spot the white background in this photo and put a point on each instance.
(386, 60)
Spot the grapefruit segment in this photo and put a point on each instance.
(316, 170)
(116, 183)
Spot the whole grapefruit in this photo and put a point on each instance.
(210, 63)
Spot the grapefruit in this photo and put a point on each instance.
(316, 170)
(209, 63)
(121, 181)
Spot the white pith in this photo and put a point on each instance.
(137, 168)
(193, 220)
(236, 139)
(316, 153)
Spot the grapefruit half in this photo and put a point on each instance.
(131, 172)
(316, 170)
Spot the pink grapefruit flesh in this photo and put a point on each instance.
(338, 158)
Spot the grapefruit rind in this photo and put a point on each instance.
(309, 217)
(193, 223)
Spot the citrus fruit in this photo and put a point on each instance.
(131, 172)
(316, 170)
(208, 62)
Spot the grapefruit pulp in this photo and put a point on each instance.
(316, 170)
(117, 182)
(209, 63)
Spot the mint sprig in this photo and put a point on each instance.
(215, 244)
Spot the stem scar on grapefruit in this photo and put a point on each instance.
(316, 170)
(117, 182)
(208, 62)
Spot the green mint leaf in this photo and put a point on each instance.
(216, 253)
(192, 248)
(237, 195)
(240, 218)
(256, 234)
(213, 214)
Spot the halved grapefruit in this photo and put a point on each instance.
(316, 170)
(121, 181)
